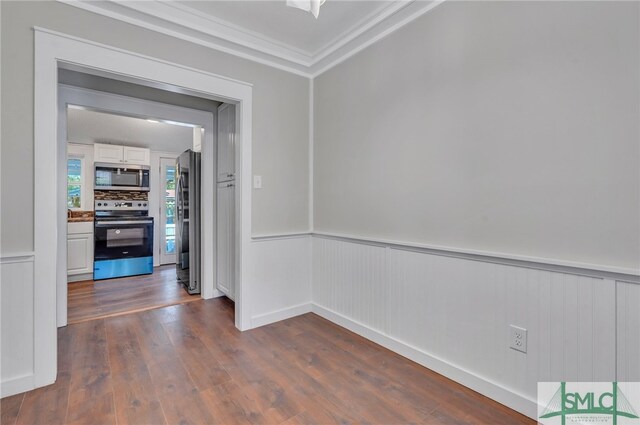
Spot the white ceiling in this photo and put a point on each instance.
(88, 127)
(268, 31)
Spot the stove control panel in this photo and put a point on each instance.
(121, 205)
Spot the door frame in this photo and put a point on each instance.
(54, 50)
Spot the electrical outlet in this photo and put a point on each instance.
(257, 182)
(518, 340)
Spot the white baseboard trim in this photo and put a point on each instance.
(467, 378)
(79, 277)
(278, 315)
(17, 385)
(217, 293)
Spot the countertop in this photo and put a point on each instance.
(79, 219)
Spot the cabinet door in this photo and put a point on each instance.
(107, 153)
(138, 156)
(226, 237)
(79, 253)
(197, 139)
(226, 142)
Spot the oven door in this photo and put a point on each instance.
(126, 238)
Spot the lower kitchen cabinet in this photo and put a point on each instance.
(79, 248)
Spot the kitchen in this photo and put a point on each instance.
(133, 198)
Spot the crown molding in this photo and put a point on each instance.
(188, 17)
(366, 37)
(178, 20)
(116, 11)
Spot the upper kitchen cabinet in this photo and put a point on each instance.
(121, 154)
(107, 153)
(226, 142)
(139, 156)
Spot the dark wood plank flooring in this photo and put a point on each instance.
(89, 300)
(188, 364)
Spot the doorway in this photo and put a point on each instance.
(119, 220)
(54, 51)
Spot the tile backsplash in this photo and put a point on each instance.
(116, 195)
(79, 214)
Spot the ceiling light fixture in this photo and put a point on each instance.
(312, 6)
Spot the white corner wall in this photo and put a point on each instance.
(478, 168)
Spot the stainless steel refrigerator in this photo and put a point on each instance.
(188, 220)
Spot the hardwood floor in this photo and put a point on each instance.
(188, 364)
(91, 299)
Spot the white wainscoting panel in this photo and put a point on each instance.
(453, 315)
(628, 331)
(281, 280)
(351, 280)
(16, 300)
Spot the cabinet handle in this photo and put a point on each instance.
(229, 184)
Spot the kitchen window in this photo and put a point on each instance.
(75, 182)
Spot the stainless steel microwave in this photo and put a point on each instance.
(119, 177)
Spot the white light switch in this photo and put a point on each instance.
(257, 182)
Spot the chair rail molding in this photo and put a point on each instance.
(551, 264)
(17, 257)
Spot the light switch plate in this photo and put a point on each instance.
(257, 182)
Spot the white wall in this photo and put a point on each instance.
(509, 127)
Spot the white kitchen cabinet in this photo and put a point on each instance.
(107, 153)
(117, 154)
(226, 142)
(79, 248)
(138, 156)
(225, 279)
(197, 139)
